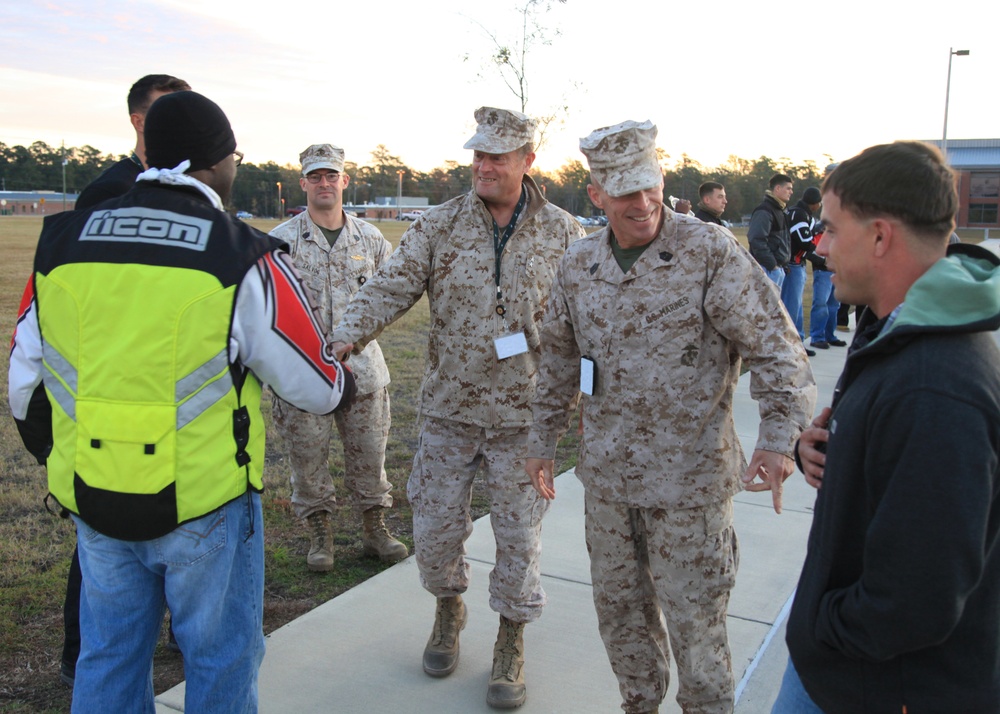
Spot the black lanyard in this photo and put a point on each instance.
(500, 242)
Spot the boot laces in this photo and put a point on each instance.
(318, 527)
(505, 663)
(445, 622)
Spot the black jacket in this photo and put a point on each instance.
(898, 605)
(801, 229)
(702, 215)
(114, 182)
(768, 235)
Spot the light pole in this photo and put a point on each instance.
(64, 173)
(355, 185)
(947, 95)
(279, 199)
(399, 196)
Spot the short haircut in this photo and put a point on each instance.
(709, 186)
(528, 148)
(906, 180)
(778, 179)
(139, 94)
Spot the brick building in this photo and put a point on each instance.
(977, 163)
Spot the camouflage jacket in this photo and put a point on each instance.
(334, 276)
(668, 339)
(448, 253)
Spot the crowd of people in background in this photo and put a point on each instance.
(154, 320)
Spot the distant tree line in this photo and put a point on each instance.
(40, 167)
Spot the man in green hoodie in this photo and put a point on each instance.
(896, 609)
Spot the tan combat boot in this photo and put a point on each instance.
(441, 652)
(376, 541)
(320, 558)
(506, 690)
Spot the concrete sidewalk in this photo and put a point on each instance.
(361, 651)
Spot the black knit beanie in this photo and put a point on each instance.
(187, 125)
(812, 196)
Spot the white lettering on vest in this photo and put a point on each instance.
(148, 225)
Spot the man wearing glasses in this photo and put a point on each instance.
(336, 254)
(143, 339)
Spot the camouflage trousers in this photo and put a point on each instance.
(648, 564)
(448, 457)
(364, 431)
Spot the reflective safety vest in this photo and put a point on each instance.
(152, 425)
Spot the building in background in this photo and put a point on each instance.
(35, 203)
(977, 163)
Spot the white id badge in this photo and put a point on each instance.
(588, 376)
(509, 345)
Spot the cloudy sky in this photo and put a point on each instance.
(743, 78)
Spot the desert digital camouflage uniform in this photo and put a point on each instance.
(660, 458)
(475, 409)
(334, 275)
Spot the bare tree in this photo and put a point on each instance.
(510, 60)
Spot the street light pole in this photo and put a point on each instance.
(64, 173)
(399, 196)
(947, 95)
(279, 199)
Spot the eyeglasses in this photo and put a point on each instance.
(330, 176)
(238, 155)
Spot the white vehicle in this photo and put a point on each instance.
(411, 215)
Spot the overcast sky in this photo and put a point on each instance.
(748, 79)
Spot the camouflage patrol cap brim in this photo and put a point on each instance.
(622, 158)
(322, 156)
(501, 131)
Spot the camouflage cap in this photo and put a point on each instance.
(622, 157)
(322, 156)
(501, 131)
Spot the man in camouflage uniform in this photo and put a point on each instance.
(486, 261)
(651, 318)
(336, 254)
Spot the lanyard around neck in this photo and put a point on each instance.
(500, 242)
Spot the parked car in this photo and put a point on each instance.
(244, 215)
(294, 211)
(411, 215)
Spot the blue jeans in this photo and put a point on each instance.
(823, 315)
(210, 572)
(777, 276)
(792, 697)
(791, 295)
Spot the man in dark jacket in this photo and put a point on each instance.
(823, 314)
(120, 177)
(712, 202)
(802, 222)
(897, 607)
(768, 235)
